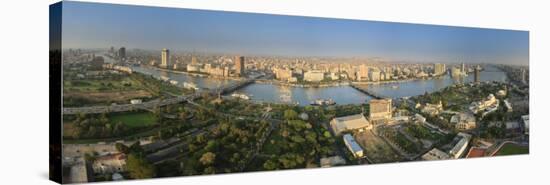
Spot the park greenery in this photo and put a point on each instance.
(296, 144)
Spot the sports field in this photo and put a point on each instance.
(512, 149)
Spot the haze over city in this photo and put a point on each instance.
(189, 30)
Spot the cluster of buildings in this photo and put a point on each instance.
(124, 69)
(214, 69)
(107, 161)
(218, 70)
(459, 71)
(119, 54)
(310, 72)
(380, 112)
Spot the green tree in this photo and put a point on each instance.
(139, 168)
(122, 148)
(208, 158)
(270, 165)
(290, 114)
(136, 148)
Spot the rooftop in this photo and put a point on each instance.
(349, 122)
(352, 143)
(476, 152)
(435, 154)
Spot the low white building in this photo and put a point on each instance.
(435, 154)
(463, 121)
(484, 104)
(135, 101)
(314, 76)
(419, 118)
(193, 68)
(458, 150)
(353, 122)
(353, 146)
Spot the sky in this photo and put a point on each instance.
(92, 25)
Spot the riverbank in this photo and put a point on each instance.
(279, 83)
(343, 83)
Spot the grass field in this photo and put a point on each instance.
(512, 149)
(103, 91)
(134, 119)
(377, 149)
(102, 85)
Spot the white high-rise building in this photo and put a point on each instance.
(439, 69)
(165, 61)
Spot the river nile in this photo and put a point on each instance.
(340, 94)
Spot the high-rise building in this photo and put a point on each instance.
(363, 73)
(314, 76)
(283, 74)
(476, 74)
(439, 69)
(122, 53)
(456, 72)
(374, 75)
(380, 110)
(463, 68)
(239, 65)
(194, 60)
(165, 58)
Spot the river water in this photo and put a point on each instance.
(418, 87)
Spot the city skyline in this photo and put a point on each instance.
(149, 92)
(179, 29)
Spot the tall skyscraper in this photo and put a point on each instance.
(122, 53)
(165, 63)
(363, 73)
(439, 69)
(463, 68)
(239, 65)
(476, 74)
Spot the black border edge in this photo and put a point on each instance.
(55, 114)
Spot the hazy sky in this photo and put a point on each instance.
(87, 25)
